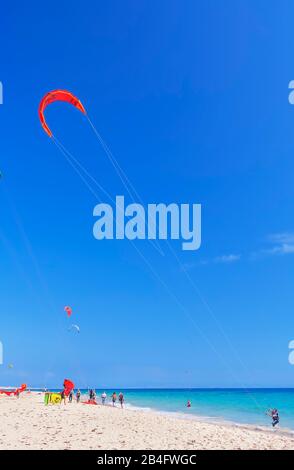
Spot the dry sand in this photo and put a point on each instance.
(26, 423)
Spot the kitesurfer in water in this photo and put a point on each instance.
(274, 414)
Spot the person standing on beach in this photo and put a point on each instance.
(121, 399)
(63, 397)
(103, 398)
(113, 397)
(78, 396)
(70, 396)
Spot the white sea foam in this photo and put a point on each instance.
(208, 419)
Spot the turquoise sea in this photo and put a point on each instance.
(234, 405)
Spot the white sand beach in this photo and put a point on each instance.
(26, 423)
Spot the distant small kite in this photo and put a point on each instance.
(68, 310)
(75, 327)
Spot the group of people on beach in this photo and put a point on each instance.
(272, 412)
(92, 397)
(114, 398)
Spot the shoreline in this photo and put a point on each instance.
(191, 415)
(26, 423)
(238, 410)
(212, 420)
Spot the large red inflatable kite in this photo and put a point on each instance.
(68, 386)
(57, 95)
(22, 388)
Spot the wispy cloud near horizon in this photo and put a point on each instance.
(231, 258)
(223, 259)
(282, 243)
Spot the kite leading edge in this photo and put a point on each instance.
(57, 95)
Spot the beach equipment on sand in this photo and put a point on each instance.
(57, 95)
(68, 310)
(90, 402)
(68, 386)
(55, 398)
(52, 398)
(15, 392)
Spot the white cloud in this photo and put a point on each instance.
(223, 259)
(227, 258)
(282, 238)
(283, 243)
(284, 249)
(278, 244)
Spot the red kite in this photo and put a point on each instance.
(57, 95)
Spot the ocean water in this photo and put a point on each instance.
(233, 405)
(240, 406)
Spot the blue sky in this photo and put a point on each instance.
(192, 98)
